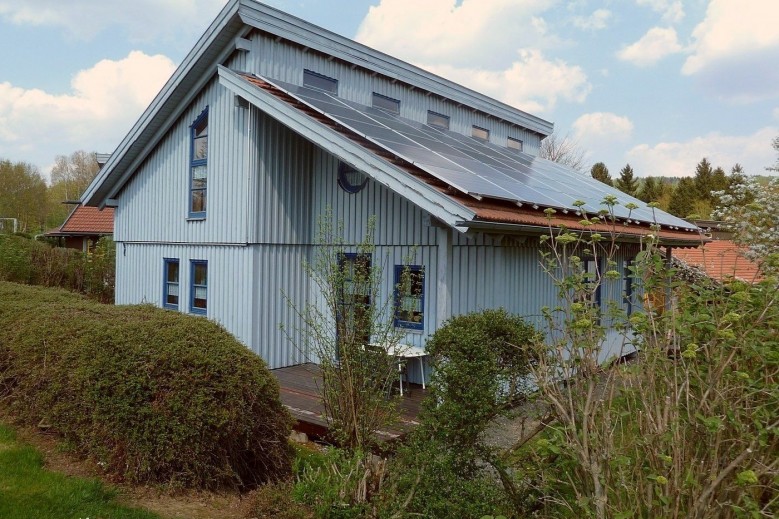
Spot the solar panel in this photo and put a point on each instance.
(478, 168)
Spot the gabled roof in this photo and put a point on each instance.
(86, 221)
(721, 260)
(236, 20)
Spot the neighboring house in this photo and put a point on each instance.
(721, 260)
(83, 227)
(269, 120)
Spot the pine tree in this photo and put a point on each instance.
(683, 198)
(703, 180)
(627, 183)
(650, 191)
(599, 171)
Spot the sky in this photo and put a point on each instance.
(658, 84)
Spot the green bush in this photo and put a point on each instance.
(23, 260)
(157, 396)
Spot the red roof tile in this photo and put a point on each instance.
(89, 220)
(721, 260)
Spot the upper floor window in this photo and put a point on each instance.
(514, 144)
(320, 82)
(477, 132)
(170, 284)
(198, 301)
(438, 120)
(386, 103)
(410, 296)
(198, 181)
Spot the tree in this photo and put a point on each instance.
(627, 182)
(565, 151)
(775, 145)
(683, 198)
(74, 173)
(70, 177)
(751, 211)
(703, 180)
(651, 190)
(599, 171)
(22, 195)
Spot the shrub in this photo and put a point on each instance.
(480, 366)
(158, 396)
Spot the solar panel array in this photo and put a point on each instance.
(477, 168)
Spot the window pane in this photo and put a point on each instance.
(438, 120)
(198, 201)
(201, 274)
(200, 148)
(173, 289)
(199, 303)
(200, 173)
(173, 272)
(386, 103)
(480, 133)
(514, 144)
(318, 81)
(202, 128)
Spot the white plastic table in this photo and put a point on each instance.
(405, 351)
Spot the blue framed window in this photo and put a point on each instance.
(410, 296)
(354, 298)
(319, 81)
(513, 144)
(437, 120)
(628, 280)
(198, 178)
(170, 284)
(198, 299)
(386, 103)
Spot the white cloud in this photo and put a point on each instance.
(142, 19)
(602, 128)
(672, 10)
(492, 46)
(776, 113)
(735, 50)
(656, 44)
(678, 159)
(596, 21)
(531, 83)
(462, 33)
(103, 103)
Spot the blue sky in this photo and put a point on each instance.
(658, 84)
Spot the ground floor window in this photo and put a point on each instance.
(170, 284)
(199, 287)
(410, 296)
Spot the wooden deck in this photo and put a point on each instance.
(301, 395)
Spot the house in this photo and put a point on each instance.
(83, 227)
(721, 260)
(269, 120)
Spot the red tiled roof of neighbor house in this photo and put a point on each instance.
(88, 220)
(721, 260)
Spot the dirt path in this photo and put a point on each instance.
(178, 505)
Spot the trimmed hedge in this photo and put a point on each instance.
(158, 396)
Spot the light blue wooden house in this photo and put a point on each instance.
(270, 119)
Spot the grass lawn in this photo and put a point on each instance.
(27, 490)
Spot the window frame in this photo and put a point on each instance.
(192, 308)
(521, 144)
(196, 163)
(307, 73)
(432, 114)
(166, 282)
(401, 323)
(476, 129)
(388, 99)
